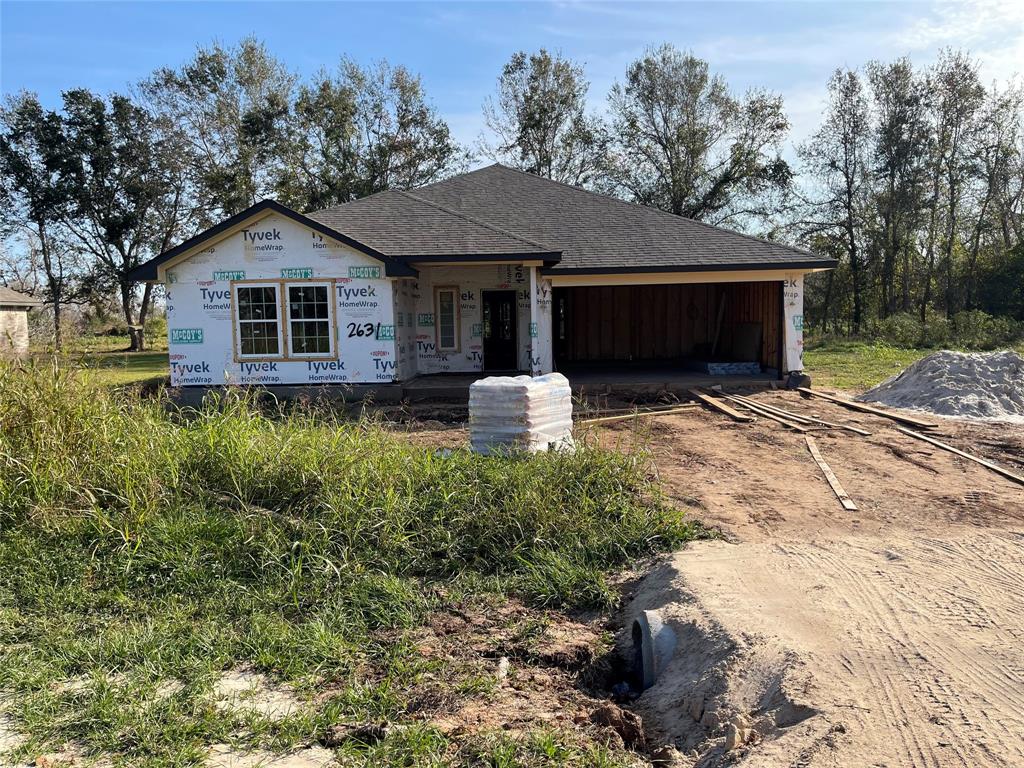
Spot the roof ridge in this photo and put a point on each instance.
(480, 222)
(652, 209)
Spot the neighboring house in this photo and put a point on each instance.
(491, 271)
(14, 309)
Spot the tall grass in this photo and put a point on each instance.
(142, 541)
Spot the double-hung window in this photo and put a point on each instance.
(257, 321)
(282, 320)
(310, 320)
(446, 314)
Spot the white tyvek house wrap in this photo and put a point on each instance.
(471, 282)
(793, 306)
(199, 309)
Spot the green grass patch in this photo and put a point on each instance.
(142, 548)
(856, 365)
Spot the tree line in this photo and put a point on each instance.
(914, 180)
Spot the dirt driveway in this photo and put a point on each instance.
(813, 636)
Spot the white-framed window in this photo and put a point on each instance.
(310, 310)
(281, 320)
(446, 317)
(258, 330)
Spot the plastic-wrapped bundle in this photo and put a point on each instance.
(520, 413)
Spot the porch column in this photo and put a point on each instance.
(540, 325)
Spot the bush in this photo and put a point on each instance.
(906, 330)
(977, 330)
(966, 330)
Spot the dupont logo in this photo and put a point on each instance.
(292, 273)
(229, 275)
(364, 273)
(186, 335)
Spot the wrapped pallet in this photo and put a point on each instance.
(512, 413)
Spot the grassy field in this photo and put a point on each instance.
(143, 555)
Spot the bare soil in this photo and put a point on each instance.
(814, 636)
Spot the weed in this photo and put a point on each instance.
(144, 550)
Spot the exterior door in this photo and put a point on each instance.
(499, 331)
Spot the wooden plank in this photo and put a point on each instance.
(833, 481)
(637, 414)
(718, 405)
(976, 459)
(806, 419)
(868, 409)
(767, 414)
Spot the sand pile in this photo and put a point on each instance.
(987, 385)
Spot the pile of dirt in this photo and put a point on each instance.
(974, 386)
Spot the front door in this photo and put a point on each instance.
(500, 353)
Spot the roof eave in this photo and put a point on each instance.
(808, 264)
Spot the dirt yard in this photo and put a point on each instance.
(820, 637)
(812, 636)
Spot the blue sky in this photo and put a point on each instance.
(459, 48)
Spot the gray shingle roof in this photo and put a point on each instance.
(402, 224)
(12, 298)
(599, 233)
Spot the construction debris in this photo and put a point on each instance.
(903, 418)
(963, 454)
(716, 404)
(833, 481)
(756, 408)
(802, 419)
(637, 413)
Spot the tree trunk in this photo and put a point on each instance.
(135, 333)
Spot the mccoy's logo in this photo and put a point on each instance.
(533, 330)
(364, 273)
(300, 273)
(426, 319)
(386, 332)
(477, 330)
(236, 274)
(798, 322)
(186, 335)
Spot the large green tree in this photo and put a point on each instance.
(35, 197)
(128, 191)
(837, 157)
(684, 143)
(361, 131)
(231, 104)
(539, 122)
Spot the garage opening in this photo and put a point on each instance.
(716, 328)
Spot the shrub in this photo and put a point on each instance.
(975, 329)
(906, 330)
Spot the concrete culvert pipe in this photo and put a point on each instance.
(654, 644)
